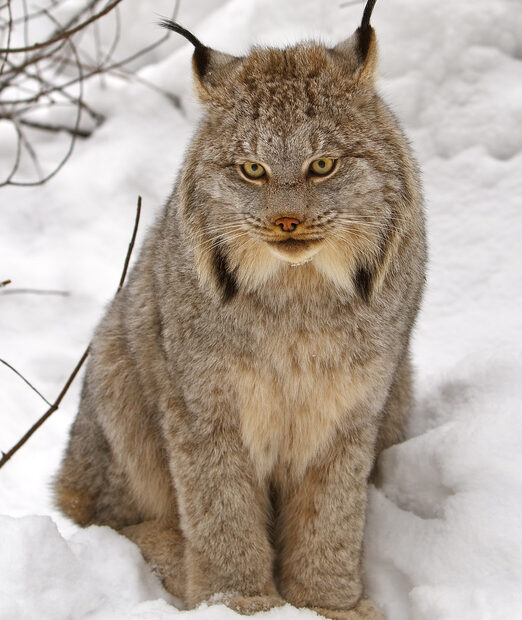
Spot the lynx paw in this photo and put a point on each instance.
(364, 610)
(248, 605)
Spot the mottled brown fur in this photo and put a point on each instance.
(239, 387)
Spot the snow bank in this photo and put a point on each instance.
(444, 535)
(444, 527)
(45, 576)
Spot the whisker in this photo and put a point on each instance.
(346, 223)
(222, 227)
(372, 215)
(219, 240)
(343, 239)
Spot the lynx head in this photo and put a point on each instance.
(297, 162)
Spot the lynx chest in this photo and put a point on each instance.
(292, 398)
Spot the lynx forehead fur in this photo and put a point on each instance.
(243, 382)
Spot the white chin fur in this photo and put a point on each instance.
(300, 258)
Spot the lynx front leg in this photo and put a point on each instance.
(320, 525)
(224, 513)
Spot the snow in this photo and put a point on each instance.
(94, 570)
(444, 535)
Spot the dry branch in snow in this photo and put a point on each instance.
(54, 406)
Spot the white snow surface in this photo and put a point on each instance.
(444, 529)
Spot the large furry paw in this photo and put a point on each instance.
(248, 605)
(364, 610)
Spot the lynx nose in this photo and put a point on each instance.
(287, 224)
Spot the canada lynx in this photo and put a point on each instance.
(242, 383)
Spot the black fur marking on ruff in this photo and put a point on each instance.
(363, 282)
(225, 277)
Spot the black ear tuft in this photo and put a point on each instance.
(365, 30)
(170, 25)
(201, 52)
(368, 10)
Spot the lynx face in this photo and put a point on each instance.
(296, 161)
(295, 208)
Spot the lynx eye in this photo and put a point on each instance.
(252, 170)
(321, 167)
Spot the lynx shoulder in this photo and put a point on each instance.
(243, 382)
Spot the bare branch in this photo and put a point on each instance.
(43, 75)
(7, 455)
(63, 35)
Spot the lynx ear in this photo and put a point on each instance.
(211, 68)
(359, 52)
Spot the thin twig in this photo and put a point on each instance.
(72, 20)
(96, 116)
(122, 74)
(33, 15)
(35, 291)
(32, 60)
(9, 33)
(80, 133)
(33, 155)
(18, 156)
(116, 38)
(95, 71)
(73, 134)
(25, 380)
(7, 455)
(131, 245)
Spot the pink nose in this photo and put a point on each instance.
(287, 224)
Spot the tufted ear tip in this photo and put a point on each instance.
(366, 34)
(201, 52)
(175, 27)
(367, 53)
(210, 66)
(367, 14)
(359, 52)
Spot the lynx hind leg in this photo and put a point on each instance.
(89, 488)
(396, 408)
(162, 546)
